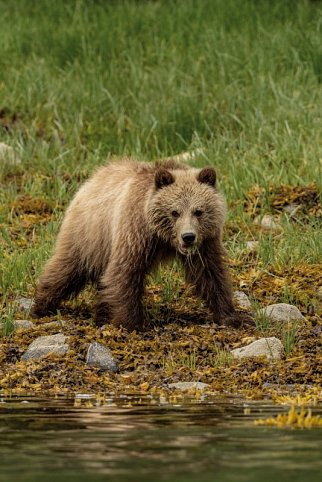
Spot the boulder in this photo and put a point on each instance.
(24, 304)
(267, 223)
(292, 209)
(8, 155)
(242, 300)
(252, 245)
(186, 386)
(23, 325)
(319, 293)
(282, 312)
(44, 345)
(58, 324)
(271, 347)
(99, 356)
(18, 325)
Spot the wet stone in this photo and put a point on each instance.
(185, 386)
(45, 345)
(282, 312)
(101, 357)
(271, 347)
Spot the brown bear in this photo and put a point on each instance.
(122, 222)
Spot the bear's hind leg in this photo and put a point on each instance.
(63, 277)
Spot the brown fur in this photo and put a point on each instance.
(126, 219)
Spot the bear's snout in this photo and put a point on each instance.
(188, 238)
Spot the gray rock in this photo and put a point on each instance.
(19, 325)
(185, 386)
(99, 356)
(271, 347)
(23, 324)
(319, 293)
(43, 345)
(54, 324)
(5, 325)
(8, 155)
(242, 300)
(282, 312)
(292, 209)
(252, 245)
(24, 304)
(267, 222)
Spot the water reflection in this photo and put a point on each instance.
(140, 439)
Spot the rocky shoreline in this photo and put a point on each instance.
(68, 355)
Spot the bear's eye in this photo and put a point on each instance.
(198, 213)
(175, 214)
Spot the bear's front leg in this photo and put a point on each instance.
(120, 296)
(207, 272)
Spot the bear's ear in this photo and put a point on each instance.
(207, 176)
(163, 178)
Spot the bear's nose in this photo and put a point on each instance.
(188, 238)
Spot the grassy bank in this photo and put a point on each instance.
(83, 81)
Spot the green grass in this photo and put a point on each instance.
(85, 80)
(176, 360)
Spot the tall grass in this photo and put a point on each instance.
(155, 77)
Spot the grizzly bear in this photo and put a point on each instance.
(122, 222)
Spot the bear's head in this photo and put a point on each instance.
(186, 207)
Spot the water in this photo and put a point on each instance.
(139, 439)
